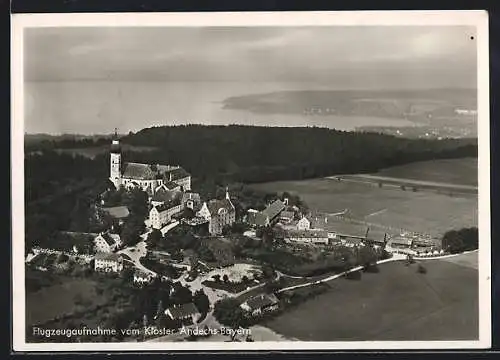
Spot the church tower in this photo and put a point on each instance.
(115, 161)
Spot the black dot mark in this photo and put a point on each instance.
(472, 37)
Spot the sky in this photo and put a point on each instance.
(286, 54)
(93, 79)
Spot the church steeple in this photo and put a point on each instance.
(115, 161)
(227, 193)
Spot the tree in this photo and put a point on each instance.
(216, 277)
(462, 240)
(229, 313)
(181, 295)
(201, 301)
(225, 278)
(154, 238)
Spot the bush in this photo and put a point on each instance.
(421, 269)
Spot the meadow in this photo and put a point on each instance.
(390, 208)
(65, 297)
(452, 171)
(397, 303)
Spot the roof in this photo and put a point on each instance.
(400, 240)
(215, 205)
(170, 185)
(108, 256)
(138, 171)
(191, 196)
(118, 212)
(178, 173)
(162, 194)
(111, 239)
(168, 205)
(273, 209)
(261, 301)
(307, 233)
(288, 214)
(182, 311)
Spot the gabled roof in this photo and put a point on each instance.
(164, 195)
(169, 204)
(111, 239)
(261, 301)
(118, 212)
(139, 171)
(170, 185)
(182, 311)
(215, 205)
(287, 214)
(178, 173)
(273, 209)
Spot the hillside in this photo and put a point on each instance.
(258, 154)
(355, 102)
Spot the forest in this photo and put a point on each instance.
(60, 188)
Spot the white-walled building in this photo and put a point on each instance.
(218, 213)
(108, 262)
(304, 224)
(106, 242)
(161, 215)
(146, 176)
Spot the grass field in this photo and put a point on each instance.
(395, 304)
(62, 298)
(423, 212)
(453, 171)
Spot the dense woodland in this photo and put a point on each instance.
(62, 188)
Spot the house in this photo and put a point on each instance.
(108, 262)
(191, 200)
(218, 213)
(260, 304)
(287, 217)
(271, 214)
(160, 215)
(351, 240)
(316, 236)
(142, 277)
(304, 224)
(183, 312)
(117, 212)
(162, 194)
(145, 176)
(107, 242)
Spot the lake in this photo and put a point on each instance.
(90, 107)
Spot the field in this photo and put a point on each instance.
(453, 171)
(395, 304)
(66, 297)
(392, 208)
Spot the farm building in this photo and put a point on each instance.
(183, 312)
(287, 217)
(260, 304)
(270, 215)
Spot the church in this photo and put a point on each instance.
(146, 176)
